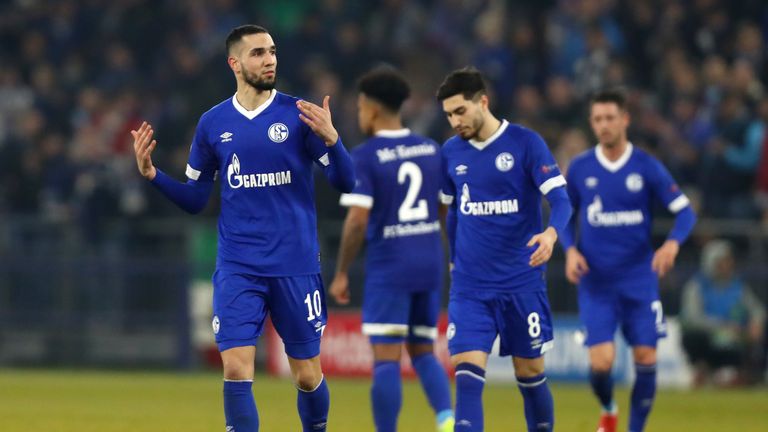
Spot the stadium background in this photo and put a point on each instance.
(97, 270)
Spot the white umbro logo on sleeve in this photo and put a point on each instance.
(226, 137)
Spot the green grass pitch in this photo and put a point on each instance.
(79, 401)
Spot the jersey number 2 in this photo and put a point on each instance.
(410, 210)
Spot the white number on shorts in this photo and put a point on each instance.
(313, 302)
(656, 308)
(410, 210)
(534, 325)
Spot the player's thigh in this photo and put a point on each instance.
(422, 320)
(643, 321)
(525, 324)
(239, 309)
(385, 315)
(471, 324)
(599, 313)
(297, 308)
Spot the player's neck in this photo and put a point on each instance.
(250, 98)
(490, 126)
(387, 123)
(613, 153)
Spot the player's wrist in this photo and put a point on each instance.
(552, 232)
(151, 173)
(332, 139)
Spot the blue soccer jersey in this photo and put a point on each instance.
(398, 179)
(614, 203)
(264, 157)
(498, 185)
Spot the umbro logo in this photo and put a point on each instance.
(226, 137)
(461, 170)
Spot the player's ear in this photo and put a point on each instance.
(484, 102)
(233, 63)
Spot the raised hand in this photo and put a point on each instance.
(340, 288)
(143, 145)
(319, 120)
(575, 265)
(546, 241)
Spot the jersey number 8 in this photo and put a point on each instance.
(534, 325)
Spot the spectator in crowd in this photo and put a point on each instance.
(723, 321)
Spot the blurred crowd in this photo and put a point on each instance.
(77, 75)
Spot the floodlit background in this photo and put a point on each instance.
(99, 271)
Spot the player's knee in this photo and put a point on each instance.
(387, 352)
(419, 349)
(308, 380)
(528, 368)
(236, 369)
(601, 365)
(645, 355)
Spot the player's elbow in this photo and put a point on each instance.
(346, 185)
(194, 207)
(194, 210)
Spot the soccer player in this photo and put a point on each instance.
(262, 144)
(613, 189)
(394, 209)
(495, 174)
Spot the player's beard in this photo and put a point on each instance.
(611, 141)
(259, 84)
(477, 124)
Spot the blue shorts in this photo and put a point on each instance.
(522, 321)
(296, 305)
(635, 305)
(391, 316)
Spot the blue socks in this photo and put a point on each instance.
(643, 393)
(313, 407)
(602, 386)
(386, 395)
(470, 380)
(239, 407)
(537, 401)
(434, 381)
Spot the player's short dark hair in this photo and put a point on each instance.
(237, 33)
(615, 96)
(386, 86)
(467, 81)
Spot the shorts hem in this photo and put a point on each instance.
(455, 350)
(302, 350)
(236, 343)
